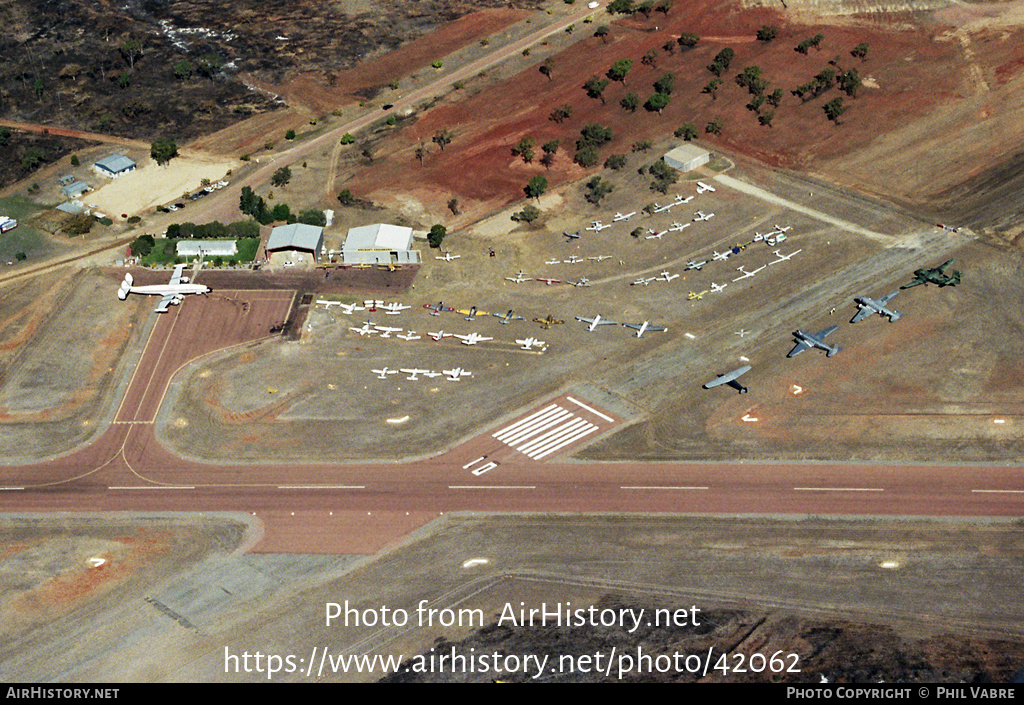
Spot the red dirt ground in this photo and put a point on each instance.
(916, 68)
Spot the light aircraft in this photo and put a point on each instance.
(509, 317)
(680, 199)
(546, 323)
(779, 229)
(386, 331)
(715, 288)
(372, 304)
(598, 226)
(783, 258)
(730, 379)
(448, 257)
(573, 259)
(553, 261)
(702, 187)
(549, 282)
(642, 328)
(583, 281)
(432, 373)
(437, 309)
(720, 256)
(599, 258)
(413, 372)
(696, 295)
(394, 308)
(868, 306)
(327, 304)
(471, 313)
(695, 265)
(664, 209)
(349, 309)
(935, 275)
(439, 334)
(362, 265)
(455, 374)
(411, 335)
(390, 267)
(472, 338)
(367, 329)
(700, 215)
(746, 273)
(655, 235)
(595, 322)
(571, 236)
(741, 333)
(758, 237)
(384, 372)
(623, 216)
(676, 227)
(666, 277)
(519, 278)
(806, 341)
(172, 292)
(643, 281)
(529, 343)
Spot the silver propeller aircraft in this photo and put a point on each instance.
(868, 306)
(806, 341)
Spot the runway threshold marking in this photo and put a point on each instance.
(549, 429)
(609, 419)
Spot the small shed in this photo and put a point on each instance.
(75, 189)
(115, 165)
(687, 157)
(206, 248)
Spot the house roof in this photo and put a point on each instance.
(686, 152)
(115, 163)
(297, 236)
(379, 236)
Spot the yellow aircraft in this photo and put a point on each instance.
(693, 295)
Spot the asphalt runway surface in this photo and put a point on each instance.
(360, 508)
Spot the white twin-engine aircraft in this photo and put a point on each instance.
(172, 292)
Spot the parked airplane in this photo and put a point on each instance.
(599, 258)
(172, 292)
(529, 343)
(384, 372)
(432, 373)
(595, 322)
(730, 379)
(746, 273)
(780, 229)
(702, 187)
(394, 308)
(471, 313)
(546, 323)
(720, 256)
(666, 277)
(868, 306)
(583, 281)
(680, 199)
(783, 258)
(715, 288)
(695, 265)
(677, 227)
(410, 335)
(367, 329)
(642, 328)
(519, 278)
(573, 259)
(509, 317)
(664, 209)
(655, 235)
(386, 331)
(700, 215)
(553, 261)
(622, 216)
(472, 338)
(806, 341)
(696, 295)
(413, 372)
(455, 374)
(934, 275)
(571, 236)
(439, 334)
(549, 282)
(448, 257)
(349, 309)
(327, 304)
(598, 226)
(643, 281)
(437, 309)
(372, 304)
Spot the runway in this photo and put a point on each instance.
(515, 466)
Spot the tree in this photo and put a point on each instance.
(550, 148)
(687, 40)
(849, 82)
(142, 245)
(806, 44)
(453, 205)
(833, 109)
(183, 69)
(714, 127)
(289, 135)
(529, 214)
(619, 70)
(687, 132)
(561, 113)
(281, 212)
(650, 58)
(524, 149)
(131, 49)
(615, 162)
(711, 88)
(442, 138)
(345, 198)
(163, 151)
(595, 87)
(602, 32)
(536, 186)
(646, 8)
(630, 102)
(209, 64)
(720, 64)
(622, 7)
(766, 118)
(657, 102)
(78, 224)
(767, 33)
(313, 216)
(347, 138)
(775, 97)
(664, 6)
(545, 68)
(421, 152)
(665, 83)
(664, 176)
(74, 160)
(642, 146)
(436, 235)
(860, 51)
(281, 177)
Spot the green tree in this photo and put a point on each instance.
(665, 83)
(163, 151)
(621, 7)
(775, 97)
(687, 132)
(834, 109)
(131, 49)
(615, 162)
(767, 33)
(281, 177)
(650, 58)
(347, 138)
(545, 68)
(714, 127)
(602, 32)
(289, 135)
(529, 214)
(74, 160)
(281, 212)
(442, 138)
(78, 224)
(657, 102)
(664, 176)
(436, 235)
(619, 70)
(313, 216)
(711, 88)
(860, 51)
(597, 188)
(183, 69)
(142, 245)
(595, 87)
(524, 149)
(536, 186)
(687, 40)
(766, 118)
(38, 87)
(849, 82)
(630, 101)
(720, 64)
(561, 113)
(346, 198)
(209, 64)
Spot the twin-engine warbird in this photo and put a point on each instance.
(814, 340)
(868, 306)
(394, 308)
(571, 236)
(935, 275)
(438, 308)
(172, 292)
(546, 323)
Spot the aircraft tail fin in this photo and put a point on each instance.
(122, 291)
(833, 351)
(895, 315)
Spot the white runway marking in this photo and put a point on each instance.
(839, 489)
(663, 487)
(548, 430)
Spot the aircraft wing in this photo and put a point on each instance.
(863, 313)
(887, 298)
(828, 331)
(728, 377)
(176, 276)
(165, 301)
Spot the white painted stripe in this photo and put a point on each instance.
(561, 417)
(660, 487)
(321, 487)
(999, 491)
(838, 489)
(11, 489)
(565, 443)
(152, 487)
(484, 468)
(473, 462)
(593, 411)
(575, 432)
(523, 425)
(492, 487)
(555, 435)
(526, 420)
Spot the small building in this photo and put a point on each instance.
(687, 157)
(72, 207)
(115, 165)
(297, 243)
(379, 243)
(75, 189)
(206, 248)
